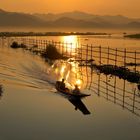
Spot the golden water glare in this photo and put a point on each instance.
(70, 72)
(71, 42)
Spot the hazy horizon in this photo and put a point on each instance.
(102, 7)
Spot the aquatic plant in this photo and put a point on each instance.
(120, 71)
(14, 45)
(52, 53)
(22, 46)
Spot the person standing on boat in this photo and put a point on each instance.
(62, 85)
(76, 90)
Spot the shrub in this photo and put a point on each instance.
(14, 45)
(22, 46)
(52, 53)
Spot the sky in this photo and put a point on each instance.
(130, 8)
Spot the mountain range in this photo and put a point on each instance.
(68, 19)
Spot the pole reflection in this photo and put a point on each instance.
(71, 44)
(113, 89)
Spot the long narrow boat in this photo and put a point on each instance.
(68, 92)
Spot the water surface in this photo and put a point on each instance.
(31, 108)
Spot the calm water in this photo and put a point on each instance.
(116, 40)
(31, 109)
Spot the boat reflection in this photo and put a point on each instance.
(79, 105)
(70, 72)
(77, 102)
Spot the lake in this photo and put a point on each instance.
(32, 109)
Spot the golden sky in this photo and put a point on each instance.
(129, 8)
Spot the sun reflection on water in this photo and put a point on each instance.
(70, 72)
(71, 42)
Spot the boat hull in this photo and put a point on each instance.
(69, 93)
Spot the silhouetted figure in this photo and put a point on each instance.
(62, 85)
(1, 91)
(138, 86)
(76, 90)
(138, 89)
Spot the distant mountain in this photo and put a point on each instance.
(134, 24)
(76, 15)
(69, 22)
(19, 19)
(116, 19)
(68, 19)
(73, 15)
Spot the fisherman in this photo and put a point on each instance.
(138, 89)
(76, 90)
(62, 85)
(138, 86)
(1, 91)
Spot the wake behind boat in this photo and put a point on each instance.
(68, 92)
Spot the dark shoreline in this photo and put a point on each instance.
(137, 36)
(16, 34)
